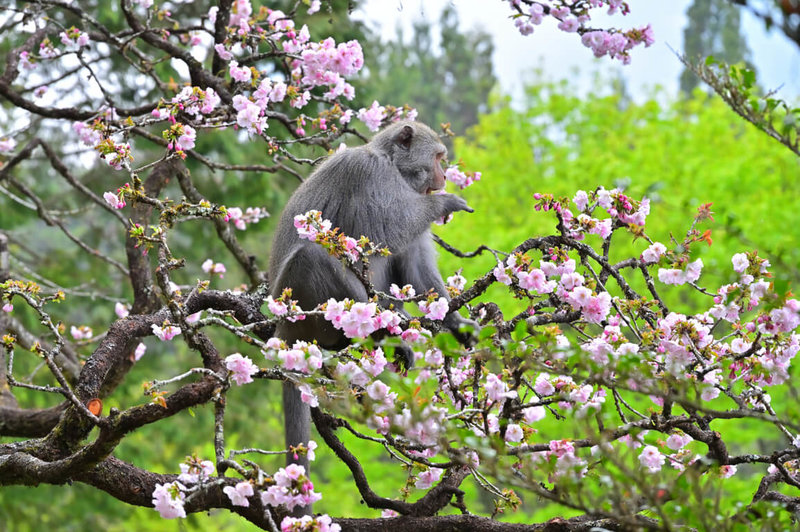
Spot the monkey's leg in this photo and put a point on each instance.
(417, 266)
(313, 277)
(297, 422)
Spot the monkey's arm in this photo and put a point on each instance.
(417, 266)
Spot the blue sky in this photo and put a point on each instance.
(559, 54)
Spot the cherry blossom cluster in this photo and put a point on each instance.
(292, 488)
(82, 332)
(573, 17)
(319, 523)
(311, 226)
(117, 200)
(681, 347)
(73, 39)
(241, 367)
(195, 470)
(371, 364)
(211, 267)
(289, 487)
(99, 135)
(455, 284)
(7, 145)
(621, 209)
(180, 137)
(168, 500)
(404, 293)
(302, 356)
(285, 306)
(461, 179)
(241, 220)
(118, 156)
(166, 331)
(313, 64)
(556, 276)
(435, 308)
(360, 319)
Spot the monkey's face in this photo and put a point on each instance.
(418, 154)
(437, 180)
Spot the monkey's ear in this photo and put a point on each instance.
(404, 137)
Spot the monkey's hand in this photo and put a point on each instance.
(453, 203)
(465, 330)
(404, 357)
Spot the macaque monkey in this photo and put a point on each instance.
(382, 190)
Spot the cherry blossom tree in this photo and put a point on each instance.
(600, 395)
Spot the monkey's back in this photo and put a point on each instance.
(344, 189)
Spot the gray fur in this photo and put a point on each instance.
(378, 190)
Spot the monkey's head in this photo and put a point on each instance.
(415, 150)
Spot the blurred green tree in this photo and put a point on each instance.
(448, 81)
(713, 28)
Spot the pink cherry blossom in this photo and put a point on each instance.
(168, 500)
(292, 488)
(186, 140)
(241, 367)
(81, 333)
(121, 310)
(501, 274)
(740, 262)
(651, 458)
(598, 307)
(497, 390)
(238, 73)
(436, 310)
(211, 267)
(313, 7)
(359, 321)
(74, 37)
(222, 52)
(307, 395)
(165, 333)
(543, 386)
(581, 199)
(238, 494)
(693, 270)
(677, 441)
(560, 448)
(7, 145)
(114, 200)
(534, 414)
(426, 479)
(671, 276)
(320, 523)
(26, 62)
(653, 253)
(514, 433)
(373, 116)
(535, 280)
(195, 471)
(139, 351)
